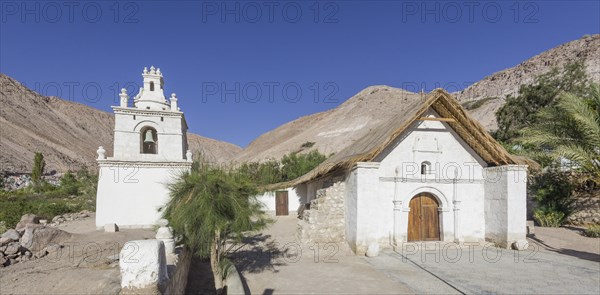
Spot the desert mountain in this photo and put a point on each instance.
(333, 130)
(507, 81)
(67, 133)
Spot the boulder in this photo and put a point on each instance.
(27, 219)
(11, 234)
(5, 241)
(111, 228)
(38, 237)
(520, 245)
(373, 250)
(12, 248)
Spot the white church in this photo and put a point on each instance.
(150, 149)
(430, 174)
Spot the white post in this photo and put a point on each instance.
(397, 221)
(174, 106)
(456, 203)
(124, 98)
(397, 212)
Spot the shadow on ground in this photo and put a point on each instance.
(257, 253)
(200, 278)
(575, 253)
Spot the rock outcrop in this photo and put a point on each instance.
(30, 240)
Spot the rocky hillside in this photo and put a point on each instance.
(67, 133)
(507, 81)
(333, 130)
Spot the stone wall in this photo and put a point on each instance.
(324, 221)
(587, 208)
(178, 270)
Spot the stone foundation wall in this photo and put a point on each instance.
(587, 207)
(324, 221)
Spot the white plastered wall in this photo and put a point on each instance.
(396, 176)
(268, 200)
(170, 127)
(131, 194)
(505, 204)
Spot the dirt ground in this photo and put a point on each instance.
(275, 262)
(85, 265)
(560, 260)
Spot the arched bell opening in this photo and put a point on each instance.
(148, 141)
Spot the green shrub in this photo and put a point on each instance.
(593, 230)
(291, 166)
(307, 144)
(38, 168)
(75, 193)
(295, 165)
(472, 105)
(3, 227)
(552, 192)
(548, 218)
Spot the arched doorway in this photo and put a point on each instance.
(424, 218)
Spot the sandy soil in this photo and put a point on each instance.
(85, 265)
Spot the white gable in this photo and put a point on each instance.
(433, 143)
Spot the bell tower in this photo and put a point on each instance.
(150, 148)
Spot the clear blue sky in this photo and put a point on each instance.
(236, 49)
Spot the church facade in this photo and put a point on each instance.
(150, 149)
(430, 174)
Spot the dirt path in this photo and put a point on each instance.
(276, 263)
(85, 265)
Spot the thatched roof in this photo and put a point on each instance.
(373, 143)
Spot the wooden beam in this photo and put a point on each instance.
(436, 119)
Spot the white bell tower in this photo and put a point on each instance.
(150, 149)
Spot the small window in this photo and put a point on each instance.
(162, 119)
(134, 117)
(151, 86)
(425, 168)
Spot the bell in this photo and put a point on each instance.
(149, 137)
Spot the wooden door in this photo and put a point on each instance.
(423, 219)
(281, 203)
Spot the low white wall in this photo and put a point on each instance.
(146, 269)
(268, 200)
